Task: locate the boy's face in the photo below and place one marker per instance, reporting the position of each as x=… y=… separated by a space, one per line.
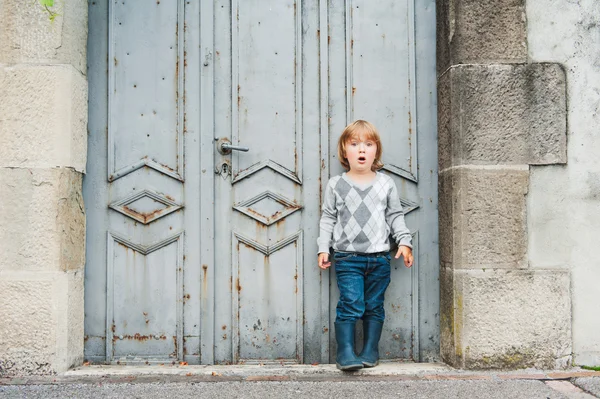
x=360 y=153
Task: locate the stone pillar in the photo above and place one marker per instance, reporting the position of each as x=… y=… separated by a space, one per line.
x=43 y=149
x=497 y=115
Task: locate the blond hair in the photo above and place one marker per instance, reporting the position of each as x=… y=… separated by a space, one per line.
x=355 y=130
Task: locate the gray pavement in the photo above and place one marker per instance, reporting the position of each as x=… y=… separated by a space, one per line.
x=589 y=384
x=510 y=389
x=411 y=380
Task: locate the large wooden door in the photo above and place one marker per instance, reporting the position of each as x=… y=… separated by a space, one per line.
x=142 y=187
x=208 y=256
x=262 y=208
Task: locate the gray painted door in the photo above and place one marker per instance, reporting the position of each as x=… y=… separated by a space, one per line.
x=204 y=256
x=382 y=68
x=142 y=187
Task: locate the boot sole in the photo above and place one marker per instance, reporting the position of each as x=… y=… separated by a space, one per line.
x=350 y=367
x=369 y=365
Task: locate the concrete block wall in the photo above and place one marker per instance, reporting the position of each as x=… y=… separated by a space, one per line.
x=43 y=149
x=498 y=114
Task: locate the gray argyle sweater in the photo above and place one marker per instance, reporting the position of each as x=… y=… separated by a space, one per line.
x=360 y=219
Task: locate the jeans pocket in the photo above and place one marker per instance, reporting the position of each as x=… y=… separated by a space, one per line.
x=340 y=256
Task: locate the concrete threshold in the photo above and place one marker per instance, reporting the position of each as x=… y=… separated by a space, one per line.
x=388 y=371
x=383 y=369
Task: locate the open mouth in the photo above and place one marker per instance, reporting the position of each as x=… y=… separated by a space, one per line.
x=362 y=159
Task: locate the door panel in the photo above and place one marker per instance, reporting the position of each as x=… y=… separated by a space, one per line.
x=263 y=222
x=372 y=76
x=380 y=75
x=268 y=318
x=267 y=85
x=142 y=202
x=148 y=280
x=145 y=83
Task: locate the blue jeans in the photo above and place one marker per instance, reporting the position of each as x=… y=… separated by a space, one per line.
x=362 y=280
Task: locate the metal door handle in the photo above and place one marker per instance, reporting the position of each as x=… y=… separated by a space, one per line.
x=229 y=147
x=225 y=147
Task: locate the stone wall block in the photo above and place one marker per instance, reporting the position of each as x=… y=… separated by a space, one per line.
x=442 y=10
x=445 y=114
x=70 y=221
x=28 y=329
x=27 y=35
x=449 y=221
x=504 y=114
x=42 y=220
x=513 y=319
x=42 y=322
x=71 y=334
x=448 y=334
x=483 y=220
x=44 y=117
x=480 y=32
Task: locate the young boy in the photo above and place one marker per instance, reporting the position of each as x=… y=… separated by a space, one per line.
x=361 y=208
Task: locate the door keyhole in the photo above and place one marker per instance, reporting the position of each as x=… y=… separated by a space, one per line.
x=224 y=170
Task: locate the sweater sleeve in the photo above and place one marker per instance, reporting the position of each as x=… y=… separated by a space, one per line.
x=328 y=219
x=394 y=217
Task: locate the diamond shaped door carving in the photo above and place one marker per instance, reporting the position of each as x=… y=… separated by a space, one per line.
x=145 y=206
x=267 y=208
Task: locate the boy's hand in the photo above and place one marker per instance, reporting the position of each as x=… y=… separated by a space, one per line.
x=324 y=260
x=406 y=253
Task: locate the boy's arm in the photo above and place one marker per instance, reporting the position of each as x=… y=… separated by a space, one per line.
x=394 y=217
x=328 y=219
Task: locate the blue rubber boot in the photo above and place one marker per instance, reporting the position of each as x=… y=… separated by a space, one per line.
x=346 y=359
x=372 y=333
